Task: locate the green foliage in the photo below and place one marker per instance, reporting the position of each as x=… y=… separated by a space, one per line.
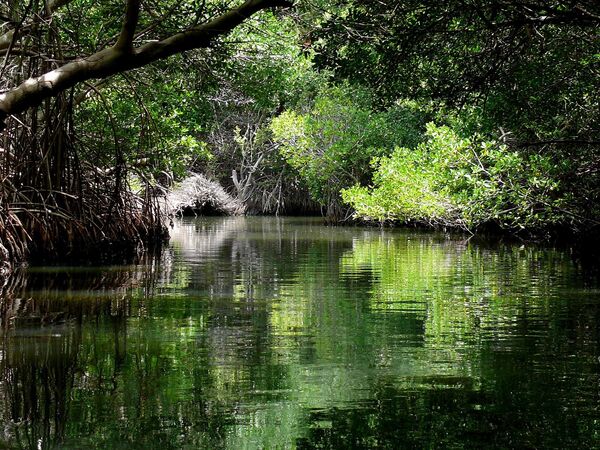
x=524 y=73
x=464 y=182
x=303 y=105
x=155 y=127
x=166 y=114
x=269 y=68
x=332 y=143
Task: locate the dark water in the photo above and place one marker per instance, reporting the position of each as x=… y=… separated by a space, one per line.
x=282 y=333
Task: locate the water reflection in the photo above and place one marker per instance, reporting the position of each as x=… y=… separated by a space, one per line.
x=283 y=333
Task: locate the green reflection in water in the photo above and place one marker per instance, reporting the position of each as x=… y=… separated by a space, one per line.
x=284 y=333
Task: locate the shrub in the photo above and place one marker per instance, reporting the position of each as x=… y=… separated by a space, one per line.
x=333 y=142
x=463 y=182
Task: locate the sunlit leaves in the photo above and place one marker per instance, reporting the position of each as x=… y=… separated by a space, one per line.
x=449 y=180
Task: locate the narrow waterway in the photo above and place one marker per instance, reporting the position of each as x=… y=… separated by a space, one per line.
x=277 y=333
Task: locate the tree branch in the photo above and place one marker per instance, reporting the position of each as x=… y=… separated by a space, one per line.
x=132 y=14
x=573 y=141
x=110 y=61
x=51 y=7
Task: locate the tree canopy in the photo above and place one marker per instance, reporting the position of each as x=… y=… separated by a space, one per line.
x=127 y=49
x=468 y=114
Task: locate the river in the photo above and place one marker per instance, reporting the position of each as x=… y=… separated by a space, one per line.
x=276 y=333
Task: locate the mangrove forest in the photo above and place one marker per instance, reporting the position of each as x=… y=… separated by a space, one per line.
x=303 y=224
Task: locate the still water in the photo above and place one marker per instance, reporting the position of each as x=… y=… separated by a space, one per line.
x=283 y=333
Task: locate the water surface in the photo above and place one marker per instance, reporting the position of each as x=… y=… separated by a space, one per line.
x=284 y=333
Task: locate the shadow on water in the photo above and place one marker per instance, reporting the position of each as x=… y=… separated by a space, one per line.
x=283 y=333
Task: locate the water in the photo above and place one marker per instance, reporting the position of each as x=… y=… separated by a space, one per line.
x=283 y=333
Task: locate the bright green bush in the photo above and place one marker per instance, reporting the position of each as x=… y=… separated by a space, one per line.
x=333 y=142
x=463 y=182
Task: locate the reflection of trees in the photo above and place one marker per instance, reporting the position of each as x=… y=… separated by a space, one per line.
x=42 y=365
x=417 y=313
x=493 y=369
x=249 y=257
x=457 y=287
x=87 y=353
x=271 y=333
x=46 y=351
x=37 y=379
x=242 y=266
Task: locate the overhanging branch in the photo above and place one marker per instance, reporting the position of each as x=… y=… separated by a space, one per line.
x=110 y=61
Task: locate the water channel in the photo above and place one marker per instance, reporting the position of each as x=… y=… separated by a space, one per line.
x=276 y=333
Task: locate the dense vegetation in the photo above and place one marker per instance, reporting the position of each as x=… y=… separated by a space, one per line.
x=511 y=88
x=453 y=113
